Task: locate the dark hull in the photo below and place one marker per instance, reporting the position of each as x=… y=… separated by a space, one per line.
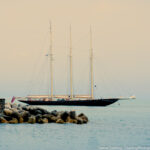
x=96 y=102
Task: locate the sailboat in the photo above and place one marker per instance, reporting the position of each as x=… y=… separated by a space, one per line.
x=71 y=99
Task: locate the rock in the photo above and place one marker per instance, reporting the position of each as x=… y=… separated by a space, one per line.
x=64 y=116
x=25 y=107
x=49 y=117
x=72 y=114
x=42 y=120
x=83 y=117
x=36 y=112
x=14 y=109
x=79 y=120
x=19 y=105
x=25 y=115
x=19 y=108
x=32 y=119
x=53 y=119
x=14 y=105
x=39 y=116
x=8 y=112
x=13 y=121
x=16 y=115
x=3 y=120
x=60 y=121
x=39 y=120
x=54 y=113
x=74 y=121
x=8 y=118
x=20 y=120
x=41 y=111
x=70 y=120
x=7 y=105
x=45 y=120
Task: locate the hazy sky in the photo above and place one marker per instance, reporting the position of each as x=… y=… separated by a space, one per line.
x=121 y=43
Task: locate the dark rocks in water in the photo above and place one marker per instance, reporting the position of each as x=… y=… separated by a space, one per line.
x=60 y=121
x=8 y=118
x=14 y=113
x=54 y=113
x=13 y=121
x=83 y=117
x=39 y=116
x=64 y=116
x=3 y=120
x=8 y=112
x=42 y=120
x=79 y=120
x=25 y=115
x=32 y=119
x=20 y=120
x=72 y=114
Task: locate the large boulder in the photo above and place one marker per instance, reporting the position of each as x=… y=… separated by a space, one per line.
x=14 y=105
x=13 y=121
x=39 y=116
x=7 y=105
x=14 y=109
x=79 y=120
x=16 y=115
x=60 y=121
x=25 y=115
x=53 y=119
x=50 y=117
x=8 y=118
x=70 y=120
x=8 y=112
x=42 y=120
x=36 y=111
x=3 y=120
x=83 y=117
x=45 y=120
x=64 y=116
x=20 y=120
x=32 y=119
x=72 y=114
x=54 y=113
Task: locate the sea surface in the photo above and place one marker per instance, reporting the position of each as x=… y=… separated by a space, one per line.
x=121 y=126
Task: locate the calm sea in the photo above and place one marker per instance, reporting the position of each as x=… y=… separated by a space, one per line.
x=116 y=127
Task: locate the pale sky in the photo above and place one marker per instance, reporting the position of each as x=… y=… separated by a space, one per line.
x=121 y=44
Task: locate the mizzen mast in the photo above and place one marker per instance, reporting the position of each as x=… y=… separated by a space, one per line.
x=71 y=83
x=51 y=63
x=91 y=65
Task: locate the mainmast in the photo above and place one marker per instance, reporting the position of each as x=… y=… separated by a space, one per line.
x=71 y=83
x=51 y=62
x=91 y=65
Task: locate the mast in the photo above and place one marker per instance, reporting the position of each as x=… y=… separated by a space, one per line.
x=71 y=83
x=91 y=65
x=51 y=63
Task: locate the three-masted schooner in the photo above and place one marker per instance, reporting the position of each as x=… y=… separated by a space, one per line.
x=78 y=100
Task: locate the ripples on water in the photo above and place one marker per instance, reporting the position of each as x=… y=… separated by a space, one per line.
x=114 y=127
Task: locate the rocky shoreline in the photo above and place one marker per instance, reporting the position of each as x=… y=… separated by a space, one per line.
x=14 y=114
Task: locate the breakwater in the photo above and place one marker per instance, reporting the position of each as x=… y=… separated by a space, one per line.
x=14 y=113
